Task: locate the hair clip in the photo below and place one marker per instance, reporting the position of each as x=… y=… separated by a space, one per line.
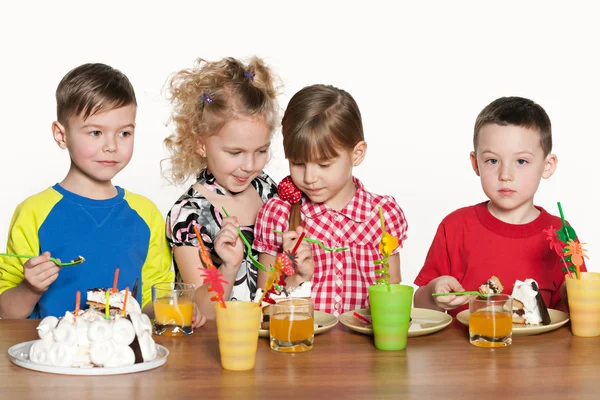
x=206 y=98
x=289 y=192
x=249 y=75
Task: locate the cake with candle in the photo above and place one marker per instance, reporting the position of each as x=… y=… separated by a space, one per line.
x=528 y=305
x=90 y=338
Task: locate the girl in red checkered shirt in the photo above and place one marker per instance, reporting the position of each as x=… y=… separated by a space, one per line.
x=323 y=140
x=224 y=115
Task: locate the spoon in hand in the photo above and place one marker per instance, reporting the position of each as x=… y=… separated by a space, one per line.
x=76 y=261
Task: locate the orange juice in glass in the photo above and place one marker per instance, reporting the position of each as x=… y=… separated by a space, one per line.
x=490 y=321
x=292 y=325
x=173 y=308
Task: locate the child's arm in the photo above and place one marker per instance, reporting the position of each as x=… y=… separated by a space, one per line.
x=22 y=285
x=19 y=301
x=394 y=270
x=442 y=284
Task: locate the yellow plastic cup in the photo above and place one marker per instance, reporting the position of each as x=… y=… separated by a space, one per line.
x=584 y=304
x=237 y=329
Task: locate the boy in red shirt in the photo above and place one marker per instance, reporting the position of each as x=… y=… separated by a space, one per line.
x=505 y=235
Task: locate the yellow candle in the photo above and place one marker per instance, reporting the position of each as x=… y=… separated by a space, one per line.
x=107 y=316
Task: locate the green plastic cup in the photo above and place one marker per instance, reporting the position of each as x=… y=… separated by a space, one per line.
x=390 y=313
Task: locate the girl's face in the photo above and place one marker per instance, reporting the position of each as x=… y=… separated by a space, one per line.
x=237 y=153
x=329 y=181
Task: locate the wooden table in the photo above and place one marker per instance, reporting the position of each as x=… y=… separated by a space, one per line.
x=342 y=365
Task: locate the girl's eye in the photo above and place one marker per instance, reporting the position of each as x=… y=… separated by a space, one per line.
x=234 y=153
x=95 y=133
x=324 y=165
x=125 y=134
x=297 y=164
x=263 y=151
x=492 y=161
x=522 y=162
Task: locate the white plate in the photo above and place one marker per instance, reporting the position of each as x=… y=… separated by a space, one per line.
x=557 y=319
x=19 y=355
x=326 y=320
x=424 y=321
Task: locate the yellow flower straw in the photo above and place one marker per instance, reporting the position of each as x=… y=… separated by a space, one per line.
x=387 y=245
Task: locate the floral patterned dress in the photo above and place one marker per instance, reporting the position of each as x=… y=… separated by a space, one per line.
x=192 y=208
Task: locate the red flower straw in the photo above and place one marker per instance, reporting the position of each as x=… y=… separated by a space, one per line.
x=298 y=242
x=77 y=304
x=557 y=246
x=362 y=318
x=211 y=273
x=114 y=288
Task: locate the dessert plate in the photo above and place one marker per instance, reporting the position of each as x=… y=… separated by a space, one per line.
x=424 y=321
x=557 y=319
x=19 y=355
x=325 y=320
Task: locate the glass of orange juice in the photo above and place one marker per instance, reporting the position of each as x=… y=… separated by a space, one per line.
x=292 y=325
x=490 y=321
x=173 y=308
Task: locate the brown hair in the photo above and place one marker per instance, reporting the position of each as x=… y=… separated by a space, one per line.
x=208 y=96
x=319 y=121
x=91 y=88
x=516 y=111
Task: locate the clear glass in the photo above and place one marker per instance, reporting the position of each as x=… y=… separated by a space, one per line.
x=490 y=321
x=292 y=325
x=173 y=308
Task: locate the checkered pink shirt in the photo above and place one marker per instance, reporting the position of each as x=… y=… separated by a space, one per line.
x=341 y=279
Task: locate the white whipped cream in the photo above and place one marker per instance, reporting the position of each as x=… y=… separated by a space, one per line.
x=301 y=291
x=523 y=291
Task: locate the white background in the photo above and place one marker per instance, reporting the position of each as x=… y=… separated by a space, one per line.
x=420 y=72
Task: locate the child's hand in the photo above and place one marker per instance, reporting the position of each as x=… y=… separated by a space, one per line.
x=197 y=318
x=39 y=272
x=446 y=284
x=228 y=244
x=304 y=258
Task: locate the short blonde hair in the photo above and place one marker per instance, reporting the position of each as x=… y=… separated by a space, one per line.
x=208 y=96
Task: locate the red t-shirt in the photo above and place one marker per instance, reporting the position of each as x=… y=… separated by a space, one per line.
x=472 y=245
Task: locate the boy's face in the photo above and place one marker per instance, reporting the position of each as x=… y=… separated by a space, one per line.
x=99 y=146
x=329 y=181
x=237 y=153
x=510 y=162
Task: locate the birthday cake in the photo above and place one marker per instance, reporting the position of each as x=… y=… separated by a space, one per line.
x=528 y=305
x=85 y=338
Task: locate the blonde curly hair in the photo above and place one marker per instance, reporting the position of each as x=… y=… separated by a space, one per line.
x=208 y=96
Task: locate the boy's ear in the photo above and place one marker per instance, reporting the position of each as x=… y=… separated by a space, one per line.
x=474 y=163
x=59 y=133
x=358 y=153
x=550 y=166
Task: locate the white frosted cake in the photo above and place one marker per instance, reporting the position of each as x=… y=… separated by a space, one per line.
x=528 y=305
x=90 y=340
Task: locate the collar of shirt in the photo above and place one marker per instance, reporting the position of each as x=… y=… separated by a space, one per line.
x=358 y=208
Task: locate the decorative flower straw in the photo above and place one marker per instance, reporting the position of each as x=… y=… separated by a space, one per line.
x=77 y=304
x=106 y=308
x=317 y=242
x=124 y=312
x=565 y=243
x=114 y=288
x=386 y=246
x=253 y=260
x=211 y=274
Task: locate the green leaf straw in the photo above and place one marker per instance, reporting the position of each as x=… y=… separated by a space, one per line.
x=317 y=242
x=248 y=246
